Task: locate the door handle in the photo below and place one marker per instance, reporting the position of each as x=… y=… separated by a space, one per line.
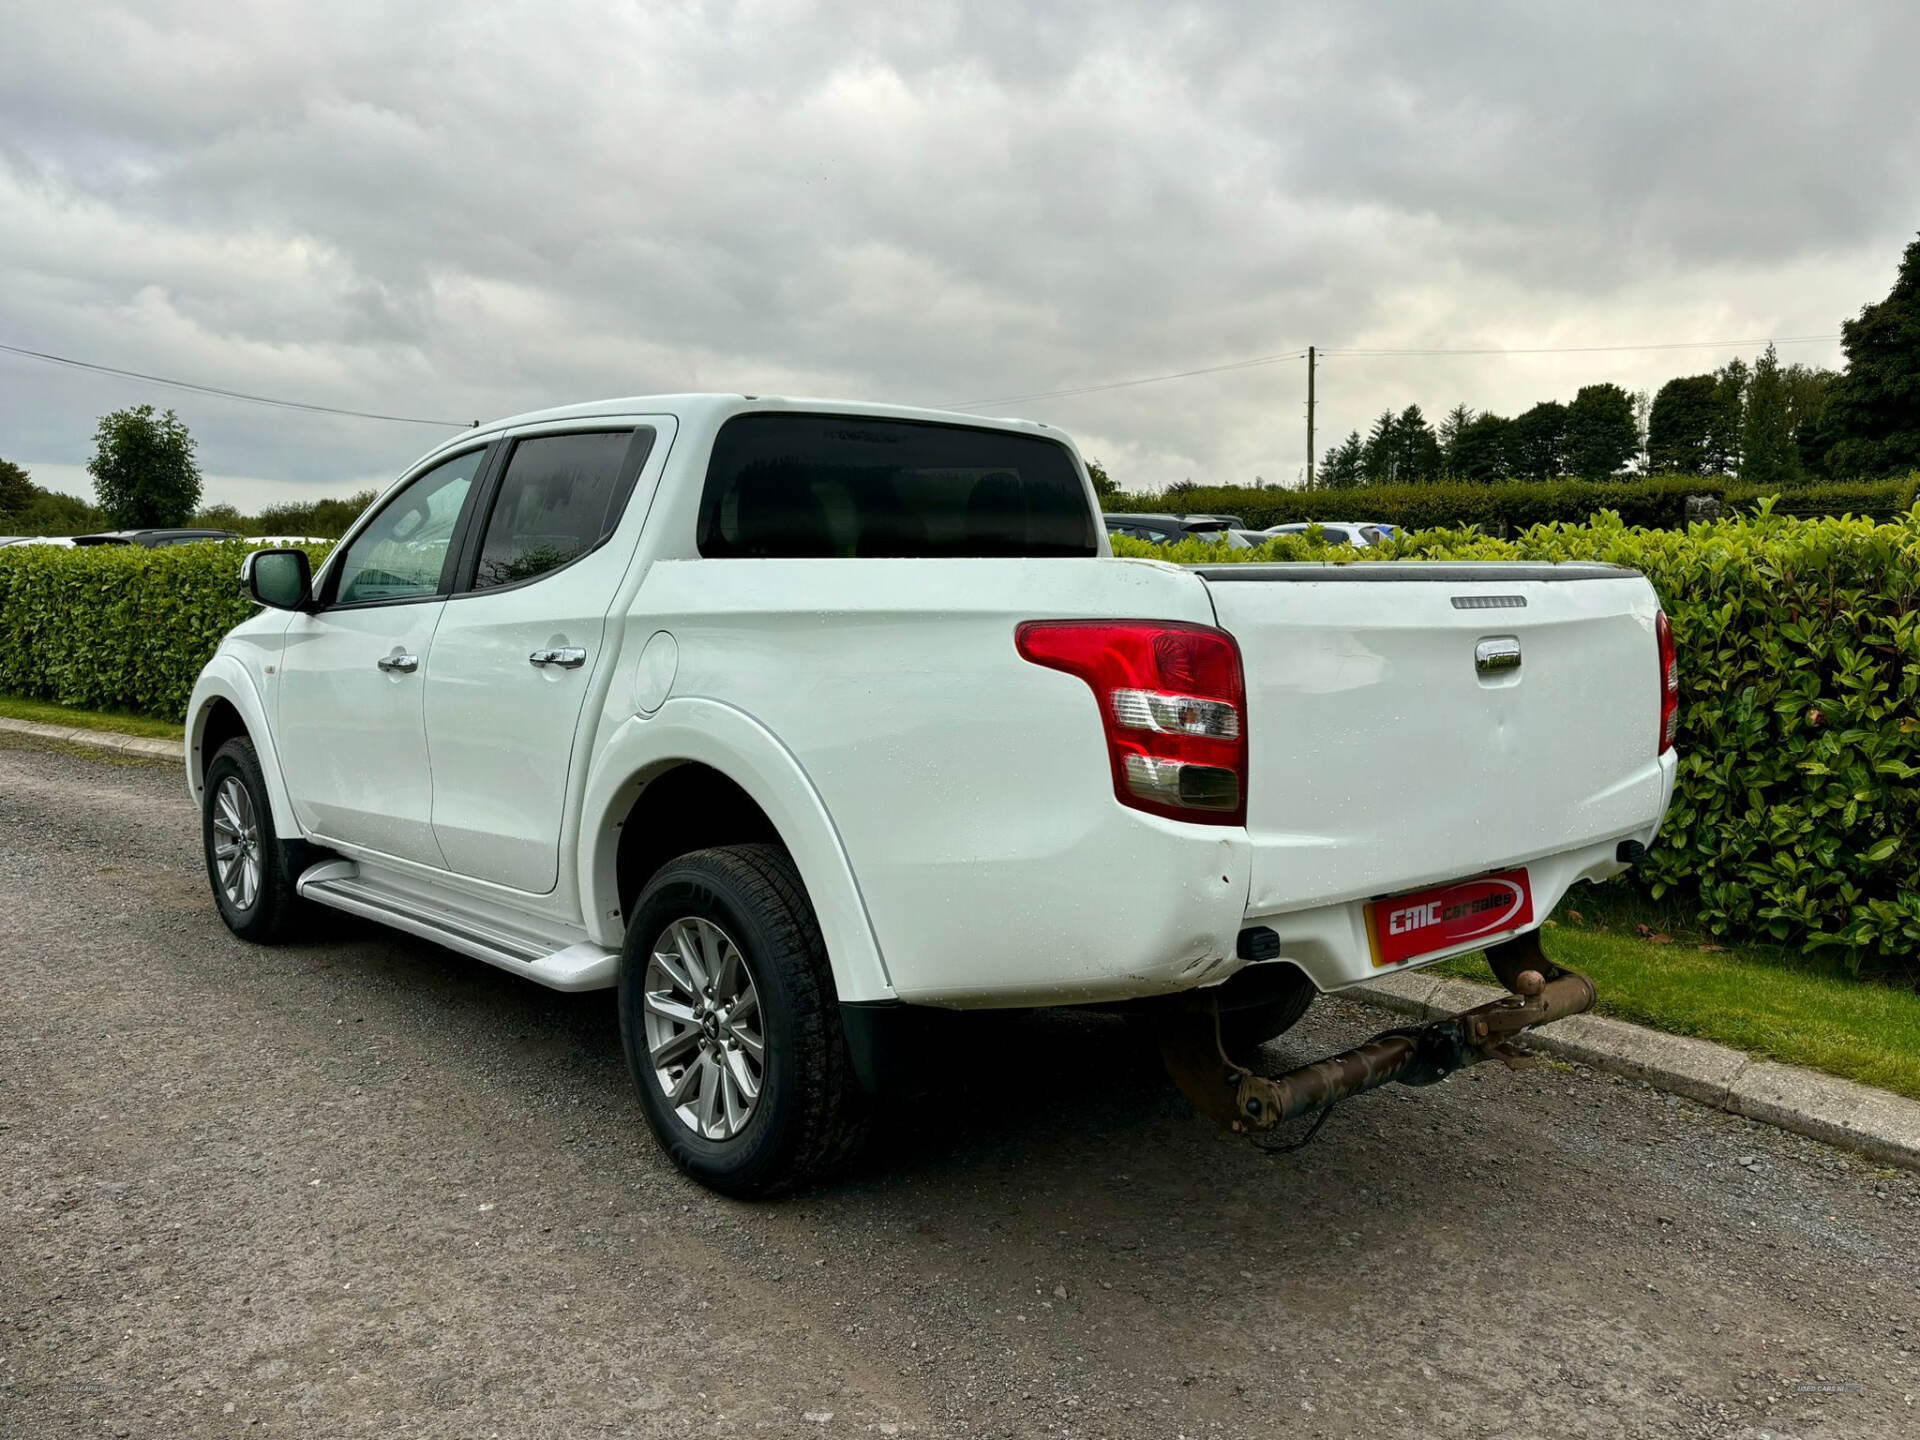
x=399 y=664
x=567 y=658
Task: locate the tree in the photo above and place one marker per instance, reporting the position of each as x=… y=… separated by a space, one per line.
x=1808 y=388
x=1401 y=449
x=1680 y=425
x=1767 y=452
x=1481 y=452
x=1601 y=436
x=1872 y=420
x=1345 y=464
x=317 y=517
x=1642 y=410
x=1537 y=441
x=1376 y=461
x=16 y=488
x=219 y=517
x=1729 y=404
x=1416 y=448
x=1451 y=429
x=143 y=470
x=1103 y=485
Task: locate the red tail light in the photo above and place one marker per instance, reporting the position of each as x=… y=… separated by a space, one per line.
x=1173 y=703
x=1669 y=681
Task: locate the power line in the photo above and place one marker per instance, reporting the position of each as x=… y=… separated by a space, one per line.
x=224 y=394
x=1602 y=349
x=1409 y=352
x=1124 y=384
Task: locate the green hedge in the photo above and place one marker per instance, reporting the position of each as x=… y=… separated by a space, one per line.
x=1658 y=502
x=116 y=627
x=1797 y=810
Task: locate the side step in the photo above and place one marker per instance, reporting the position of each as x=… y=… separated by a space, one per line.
x=339 y=883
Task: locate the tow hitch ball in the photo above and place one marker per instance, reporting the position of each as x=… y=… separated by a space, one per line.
x=1226 y=1091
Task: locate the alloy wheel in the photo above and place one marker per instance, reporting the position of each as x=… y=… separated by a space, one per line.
x=236 y=843
x=705 y=1039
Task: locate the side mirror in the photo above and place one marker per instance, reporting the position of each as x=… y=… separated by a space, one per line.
x=282 y=579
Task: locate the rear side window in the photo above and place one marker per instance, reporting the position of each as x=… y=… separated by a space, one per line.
x=561 y=495
x=846 y=486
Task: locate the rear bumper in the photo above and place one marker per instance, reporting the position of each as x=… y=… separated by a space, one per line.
x=1132 y=905
x=1329 y=942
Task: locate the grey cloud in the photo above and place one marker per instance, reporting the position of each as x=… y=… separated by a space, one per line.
x=470 y=211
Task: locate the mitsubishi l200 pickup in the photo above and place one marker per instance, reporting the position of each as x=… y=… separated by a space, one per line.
x=791 y=720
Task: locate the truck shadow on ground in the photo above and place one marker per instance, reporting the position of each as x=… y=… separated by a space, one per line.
x=1075 y=1099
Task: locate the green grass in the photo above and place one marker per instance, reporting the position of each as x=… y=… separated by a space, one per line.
x=43 y=712
x=1782 y=1007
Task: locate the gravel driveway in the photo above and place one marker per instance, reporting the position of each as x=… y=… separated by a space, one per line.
x=363 y=1186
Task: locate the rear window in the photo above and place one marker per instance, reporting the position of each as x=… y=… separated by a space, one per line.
x=561 y=496
x=846 y=486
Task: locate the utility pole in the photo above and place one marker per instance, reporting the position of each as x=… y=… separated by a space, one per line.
x=1310 y=359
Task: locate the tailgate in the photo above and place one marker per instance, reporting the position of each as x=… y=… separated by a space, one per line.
x=1413 y=722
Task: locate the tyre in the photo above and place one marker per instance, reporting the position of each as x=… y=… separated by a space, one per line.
x=731 y=1025
x=1286 y=996
x=250 y=868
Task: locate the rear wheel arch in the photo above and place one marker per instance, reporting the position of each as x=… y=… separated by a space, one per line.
x=728 y=781
x=683 y=806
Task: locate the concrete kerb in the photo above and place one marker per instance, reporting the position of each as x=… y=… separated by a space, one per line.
x=1839 y=1112
x=100 y=739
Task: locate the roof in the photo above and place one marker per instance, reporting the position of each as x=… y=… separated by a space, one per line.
x=716 y=406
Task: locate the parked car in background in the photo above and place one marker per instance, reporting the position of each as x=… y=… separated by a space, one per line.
x=1246 y=539
x=1168 y=529
x=153 y=539
x=282 y=541
x=1335 y=532
x=64 y=541
x=795 y=721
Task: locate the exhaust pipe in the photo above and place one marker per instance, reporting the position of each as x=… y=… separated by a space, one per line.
x=1412 y=1055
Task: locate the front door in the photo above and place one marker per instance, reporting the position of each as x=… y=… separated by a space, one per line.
x=351 y=723
x=519 y=644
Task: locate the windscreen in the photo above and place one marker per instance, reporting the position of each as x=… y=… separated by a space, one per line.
x=804 y=486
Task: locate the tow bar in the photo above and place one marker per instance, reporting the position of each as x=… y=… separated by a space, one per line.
x=1226 y=1091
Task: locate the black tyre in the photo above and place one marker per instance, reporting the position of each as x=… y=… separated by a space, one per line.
x=731 y=1025
x=1287 y=996
x=249 y=867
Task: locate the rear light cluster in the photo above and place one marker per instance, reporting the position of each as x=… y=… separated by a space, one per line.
x=1173 y=702
x=1669 y=681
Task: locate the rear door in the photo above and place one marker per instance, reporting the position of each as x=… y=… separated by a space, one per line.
x=522 y=640
x=1410 y=723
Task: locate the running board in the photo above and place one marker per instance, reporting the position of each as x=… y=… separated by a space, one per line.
x=339 y=883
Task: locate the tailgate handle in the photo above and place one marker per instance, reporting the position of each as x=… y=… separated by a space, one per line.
x=1496 y=656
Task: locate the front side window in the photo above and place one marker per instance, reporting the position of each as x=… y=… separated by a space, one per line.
x=848 y=486
x=561 y=496
x=401 y=554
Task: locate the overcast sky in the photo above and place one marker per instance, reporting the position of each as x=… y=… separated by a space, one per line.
x=464 y=211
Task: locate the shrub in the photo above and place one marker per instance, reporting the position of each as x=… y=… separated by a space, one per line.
x=116 y=627
x=1798 y=802
x=1656 y=502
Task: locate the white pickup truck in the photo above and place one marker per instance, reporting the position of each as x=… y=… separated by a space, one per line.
x=792 y=719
